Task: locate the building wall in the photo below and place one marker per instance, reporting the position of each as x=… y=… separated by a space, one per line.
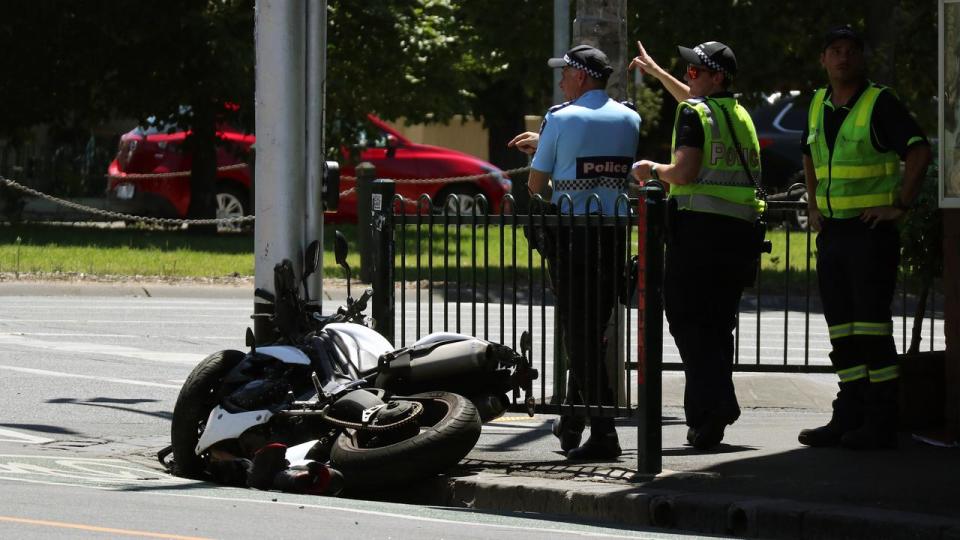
x=951 y=323
x=463 y=133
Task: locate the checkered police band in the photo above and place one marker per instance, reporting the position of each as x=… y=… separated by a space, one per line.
x=707 y=61
x=578 y=65
x=585 y=184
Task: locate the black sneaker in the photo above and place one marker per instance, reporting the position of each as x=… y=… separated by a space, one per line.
x=708 y=435
x=565 y=429
x=605 y=448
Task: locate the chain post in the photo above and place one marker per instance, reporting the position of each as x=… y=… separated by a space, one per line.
x=382 y=251
x=366 y=174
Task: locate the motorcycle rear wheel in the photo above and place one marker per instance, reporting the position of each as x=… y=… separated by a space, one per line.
x=449 y=429
x=198 y=396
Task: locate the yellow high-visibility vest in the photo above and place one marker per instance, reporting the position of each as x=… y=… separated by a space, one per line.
x=723 y=186
x=855 y=176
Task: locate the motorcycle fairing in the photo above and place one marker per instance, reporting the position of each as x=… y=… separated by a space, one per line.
x=362 y=346
x=440 y=337
x=286 y=354
x=222 y=425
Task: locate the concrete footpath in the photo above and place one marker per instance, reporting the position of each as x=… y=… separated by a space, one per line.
x=760 y=483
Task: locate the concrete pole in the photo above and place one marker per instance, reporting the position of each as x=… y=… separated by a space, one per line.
x=603 y=24
x=280 y=125
x=316 y=69
x=561 y=41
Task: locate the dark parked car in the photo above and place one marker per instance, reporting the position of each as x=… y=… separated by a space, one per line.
x=780 y=121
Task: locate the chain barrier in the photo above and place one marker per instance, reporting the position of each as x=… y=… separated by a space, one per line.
x=223 y=221
x=142 y=176
x=123 y=217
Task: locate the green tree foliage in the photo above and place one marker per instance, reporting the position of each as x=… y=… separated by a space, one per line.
x=79 y=63
x=778 y=44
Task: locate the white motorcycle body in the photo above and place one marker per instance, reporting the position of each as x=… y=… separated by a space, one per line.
x=357 y=344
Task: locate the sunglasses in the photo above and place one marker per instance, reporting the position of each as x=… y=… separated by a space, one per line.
x=694 y=71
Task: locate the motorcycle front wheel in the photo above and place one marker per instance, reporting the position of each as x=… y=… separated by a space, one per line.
x=448 y=429
x=198 y=396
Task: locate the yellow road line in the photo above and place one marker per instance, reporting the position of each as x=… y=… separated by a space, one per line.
x=92 y=528
x=515 y=419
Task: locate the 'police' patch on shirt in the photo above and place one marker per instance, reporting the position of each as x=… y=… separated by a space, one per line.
x=603 y=166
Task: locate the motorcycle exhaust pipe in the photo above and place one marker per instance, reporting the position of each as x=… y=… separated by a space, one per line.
x=447 y=360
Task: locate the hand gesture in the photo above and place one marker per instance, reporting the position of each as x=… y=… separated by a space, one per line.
x=644 y=62
x=525 y=142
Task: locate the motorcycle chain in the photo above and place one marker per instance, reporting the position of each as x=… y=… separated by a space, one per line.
x=417 y=411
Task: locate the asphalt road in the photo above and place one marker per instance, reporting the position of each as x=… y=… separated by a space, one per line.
x=88 y=379
x=87 y=385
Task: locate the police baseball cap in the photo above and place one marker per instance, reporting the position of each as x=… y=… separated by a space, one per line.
x=587 y=58
x=713 y=55
x=844 y=31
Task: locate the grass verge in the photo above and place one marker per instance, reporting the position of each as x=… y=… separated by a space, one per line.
x=467 y=253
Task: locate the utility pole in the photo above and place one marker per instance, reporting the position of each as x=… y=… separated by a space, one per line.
x=603 y=24
x=561 y=41
x=280 y=124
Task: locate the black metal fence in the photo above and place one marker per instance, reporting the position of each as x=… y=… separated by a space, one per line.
x=481 y=275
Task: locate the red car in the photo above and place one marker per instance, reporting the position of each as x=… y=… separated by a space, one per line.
x=151 y=175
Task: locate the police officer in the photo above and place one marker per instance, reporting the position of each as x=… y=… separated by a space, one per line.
x=584 y=149
x=712 y=243
x=856 y=135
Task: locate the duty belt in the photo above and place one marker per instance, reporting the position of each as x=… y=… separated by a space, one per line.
x=715 y=205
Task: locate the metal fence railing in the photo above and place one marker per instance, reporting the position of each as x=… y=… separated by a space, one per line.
x=479 y=274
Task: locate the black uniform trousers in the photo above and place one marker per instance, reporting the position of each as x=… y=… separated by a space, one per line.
x=709 y=259
x=586 y=266
x=857 y=273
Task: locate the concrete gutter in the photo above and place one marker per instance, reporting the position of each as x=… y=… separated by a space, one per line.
x=705 y=513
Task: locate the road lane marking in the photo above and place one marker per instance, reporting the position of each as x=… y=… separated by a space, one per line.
x=76 y=347
x=300 y=504
x=106 y=470
x=94 y=528
x=9 y=435
x=117 y=336
x=48 y=373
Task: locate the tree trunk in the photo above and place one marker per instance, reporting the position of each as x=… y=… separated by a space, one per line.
x=603 y=24
x=203 y=172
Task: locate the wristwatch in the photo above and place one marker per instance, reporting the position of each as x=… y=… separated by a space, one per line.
x=653 y=172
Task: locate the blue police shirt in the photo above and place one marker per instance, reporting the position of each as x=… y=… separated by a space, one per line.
x=587 y=146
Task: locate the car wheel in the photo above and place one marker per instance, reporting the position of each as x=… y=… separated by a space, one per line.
x=463 y=204
x=231 y=203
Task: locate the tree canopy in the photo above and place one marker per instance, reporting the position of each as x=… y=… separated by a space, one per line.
x=80 y=63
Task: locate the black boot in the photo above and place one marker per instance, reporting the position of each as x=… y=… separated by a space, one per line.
x=602 y=445
x=879 y=429
x=569 y=429
x=847 y=416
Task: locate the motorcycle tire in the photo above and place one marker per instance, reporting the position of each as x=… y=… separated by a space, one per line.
x=450 y=427
x=198 y=396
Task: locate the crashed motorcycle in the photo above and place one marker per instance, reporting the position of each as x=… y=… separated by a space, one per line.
x=341 y=393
